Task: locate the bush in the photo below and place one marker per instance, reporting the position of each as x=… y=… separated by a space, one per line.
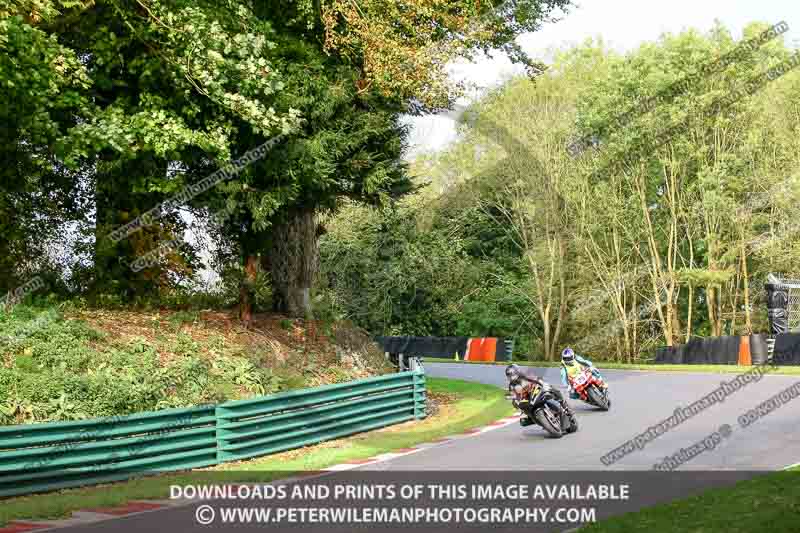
x=56 y=369
x=395 y=272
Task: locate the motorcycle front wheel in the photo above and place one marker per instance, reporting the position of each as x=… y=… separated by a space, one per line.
x=598 y=398
x=550 y=421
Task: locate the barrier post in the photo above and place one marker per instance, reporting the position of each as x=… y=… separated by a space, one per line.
x=218 y=434
x=420 y=394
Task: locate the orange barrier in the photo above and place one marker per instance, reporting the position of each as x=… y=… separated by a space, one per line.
x=744 y=352
x=482 y=349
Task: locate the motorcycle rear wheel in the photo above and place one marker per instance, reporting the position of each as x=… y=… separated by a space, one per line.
x=549 y=421
x=598 y=398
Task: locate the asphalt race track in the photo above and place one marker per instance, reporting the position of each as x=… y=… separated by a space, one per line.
x=639 y=400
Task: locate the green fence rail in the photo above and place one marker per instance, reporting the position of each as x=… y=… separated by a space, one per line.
x=45 y=457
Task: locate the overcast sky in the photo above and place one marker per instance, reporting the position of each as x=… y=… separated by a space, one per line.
x=623 y=25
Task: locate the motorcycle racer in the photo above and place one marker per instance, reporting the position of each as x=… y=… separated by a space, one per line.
x=572 y=365
x=522 y=382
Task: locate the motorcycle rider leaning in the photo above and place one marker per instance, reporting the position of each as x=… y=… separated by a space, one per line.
x=522 y=382
x=572 y=365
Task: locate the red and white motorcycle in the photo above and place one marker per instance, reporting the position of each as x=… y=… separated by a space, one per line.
x=591 y=389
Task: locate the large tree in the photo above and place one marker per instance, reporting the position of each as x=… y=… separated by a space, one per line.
x=340 y=69
x=175 y=88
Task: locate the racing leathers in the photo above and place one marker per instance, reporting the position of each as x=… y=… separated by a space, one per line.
x=570 y=371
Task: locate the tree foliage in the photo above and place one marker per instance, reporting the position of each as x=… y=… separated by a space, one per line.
x=114 y=106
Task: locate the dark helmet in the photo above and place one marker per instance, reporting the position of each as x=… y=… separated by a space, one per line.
x=567 y=356
x=512 y=372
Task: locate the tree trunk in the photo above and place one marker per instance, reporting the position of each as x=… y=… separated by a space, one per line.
x=676 y=322
x=246 y=290
x=546 y=332
x=634 y=328
x=747 y=322
x=711 y=303
x=734 y=295
x=690 y=301
x=657 y=274
x=562 y=297
x=294 y=262
x=689 y=313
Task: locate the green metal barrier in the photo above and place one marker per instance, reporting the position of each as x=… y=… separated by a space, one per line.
x=260 y=426
x=44 y=457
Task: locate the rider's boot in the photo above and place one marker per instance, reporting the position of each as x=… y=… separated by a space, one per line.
x=568 y=420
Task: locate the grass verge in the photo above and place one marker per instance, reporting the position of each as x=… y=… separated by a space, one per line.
x=767 y=503
x=461 y=405
x=707 y=369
